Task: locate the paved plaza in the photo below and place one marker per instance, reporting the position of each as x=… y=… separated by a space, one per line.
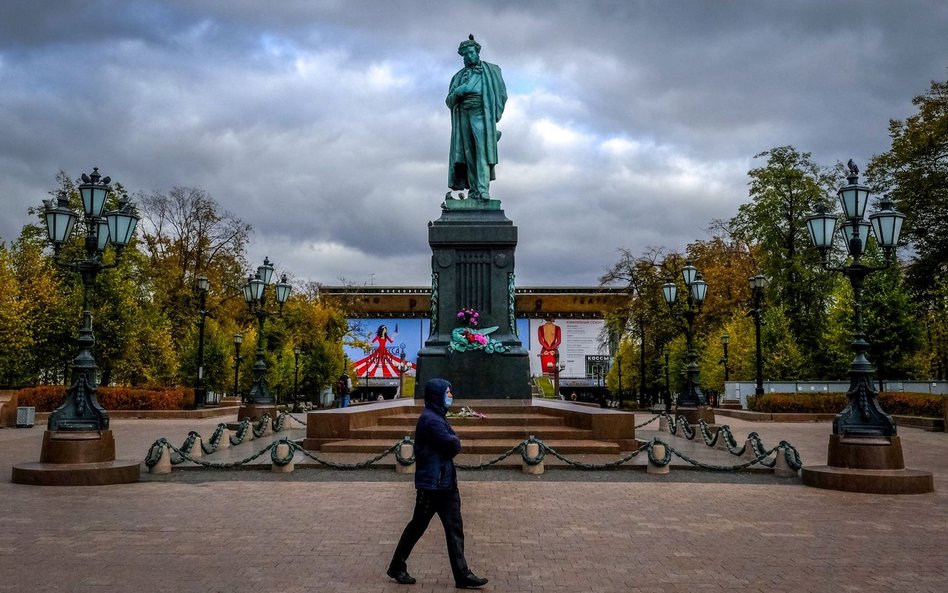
x=320 y=530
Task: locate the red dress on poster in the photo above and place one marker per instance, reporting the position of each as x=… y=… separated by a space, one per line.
x=549 y=336
x=380 y=362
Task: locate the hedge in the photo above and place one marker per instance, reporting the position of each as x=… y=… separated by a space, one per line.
x=893 y=402
x=46 y=398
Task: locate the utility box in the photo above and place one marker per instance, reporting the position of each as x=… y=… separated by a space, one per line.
x=25 y=416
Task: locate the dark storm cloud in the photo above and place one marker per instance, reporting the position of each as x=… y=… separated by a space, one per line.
x=322 y=124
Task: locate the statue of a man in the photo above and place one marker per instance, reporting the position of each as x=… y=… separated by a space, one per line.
x=476 y=98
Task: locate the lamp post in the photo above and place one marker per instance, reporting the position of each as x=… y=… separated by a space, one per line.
x=757 y=285
x=78 y=438
x=697 y=288
x=863 y=416
x=667 y=402
x=619 y=371
x=296 y=379
x=81 y=409
x=725 y=340
x=864 y=453
x=238 y=340
x=255 y=296
x=402 y=365
x=200 y=389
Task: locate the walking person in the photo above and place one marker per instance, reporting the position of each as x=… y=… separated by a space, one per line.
x=436 y=483
x=343 y=389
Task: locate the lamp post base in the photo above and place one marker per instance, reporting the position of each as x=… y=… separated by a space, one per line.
x=256 y=411
x=77 y=458
x=872 y=465
x=695 y=413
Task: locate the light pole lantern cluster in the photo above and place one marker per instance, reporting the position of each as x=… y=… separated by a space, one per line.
x=696 y=289
x=81 y=409
x=255 y=296
x=863 y=416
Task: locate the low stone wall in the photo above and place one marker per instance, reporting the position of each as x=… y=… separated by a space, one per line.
x=336 y=424
x=605 y=424
x=930 y=424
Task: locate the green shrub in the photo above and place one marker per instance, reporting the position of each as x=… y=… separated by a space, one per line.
x=46 y=398
x=903 y=404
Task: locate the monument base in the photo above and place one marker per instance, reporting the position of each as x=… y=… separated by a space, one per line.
x=477 y=375
x=77 y=458
x=870 y=465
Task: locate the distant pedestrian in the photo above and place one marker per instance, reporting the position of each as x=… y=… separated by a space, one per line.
x=343 y=389
x=436 y=483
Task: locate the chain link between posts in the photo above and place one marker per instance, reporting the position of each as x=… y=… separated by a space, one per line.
x=760 y=452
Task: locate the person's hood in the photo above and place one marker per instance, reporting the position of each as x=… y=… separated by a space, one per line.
x=434 y=395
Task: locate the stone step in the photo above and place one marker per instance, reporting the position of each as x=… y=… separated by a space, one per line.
x=513 y=433
x=478 y=446
x=492 y=419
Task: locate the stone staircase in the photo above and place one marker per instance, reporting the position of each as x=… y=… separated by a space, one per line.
x=568 y=428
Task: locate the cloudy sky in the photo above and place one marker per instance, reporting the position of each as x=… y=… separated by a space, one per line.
x=629 y=124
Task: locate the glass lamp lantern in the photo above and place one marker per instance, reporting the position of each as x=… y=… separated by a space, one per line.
x=265 y=271
x=122 y=222
x=699 y=289
x=863 y=234
x=689 y=273
x=853 y=198
x=887 y=224
x=822 y=227
x=94 y=193
x=60 y=220
x=670 y=292
x=282 y=290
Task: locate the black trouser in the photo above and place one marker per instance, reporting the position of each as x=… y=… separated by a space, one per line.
x=447 y=503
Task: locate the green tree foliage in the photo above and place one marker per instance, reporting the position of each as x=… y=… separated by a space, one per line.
x=915 y=172
x=783 y=192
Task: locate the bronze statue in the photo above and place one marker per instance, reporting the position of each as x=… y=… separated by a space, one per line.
x=476 y=98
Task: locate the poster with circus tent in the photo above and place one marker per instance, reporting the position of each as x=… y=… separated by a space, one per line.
x=388 y=342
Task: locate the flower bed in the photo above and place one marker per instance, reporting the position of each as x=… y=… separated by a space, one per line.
x=898 y=403
x=46 y=398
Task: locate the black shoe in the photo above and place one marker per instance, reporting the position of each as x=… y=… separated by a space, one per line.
x=401 y=577
x=470 y=581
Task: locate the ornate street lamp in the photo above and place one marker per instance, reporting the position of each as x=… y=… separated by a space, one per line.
x=81 y=409
x=667 y=394
x=202 y=285
x=296 y=379
x=697 y=289
x=865 y=454
x=238 y=340
x=78 y=438
x=863 y=416
x=255 y=296
x=757 y=285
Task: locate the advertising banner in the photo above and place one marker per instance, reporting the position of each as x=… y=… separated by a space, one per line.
x=576 y=341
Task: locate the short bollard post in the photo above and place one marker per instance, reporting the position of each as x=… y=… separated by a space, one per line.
x=225 y=440
x=196 y=451
x=282 y=450
x=781 y=468
x=533 y=451
x=407 y=452
x=721 y=443
x=663 y=424
x=749 y=454
x=658 y=450
x=164 y=462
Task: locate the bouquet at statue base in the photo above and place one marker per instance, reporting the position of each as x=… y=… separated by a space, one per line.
x=466 y=412
x=467 y=337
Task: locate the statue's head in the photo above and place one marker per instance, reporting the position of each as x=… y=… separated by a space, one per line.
x=470 y=50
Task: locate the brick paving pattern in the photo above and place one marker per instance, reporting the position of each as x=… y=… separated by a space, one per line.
x=615 y=531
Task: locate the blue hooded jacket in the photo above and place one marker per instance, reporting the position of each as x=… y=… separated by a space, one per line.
x=436 y=445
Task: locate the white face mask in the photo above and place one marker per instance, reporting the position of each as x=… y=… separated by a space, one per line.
x=448 y=398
